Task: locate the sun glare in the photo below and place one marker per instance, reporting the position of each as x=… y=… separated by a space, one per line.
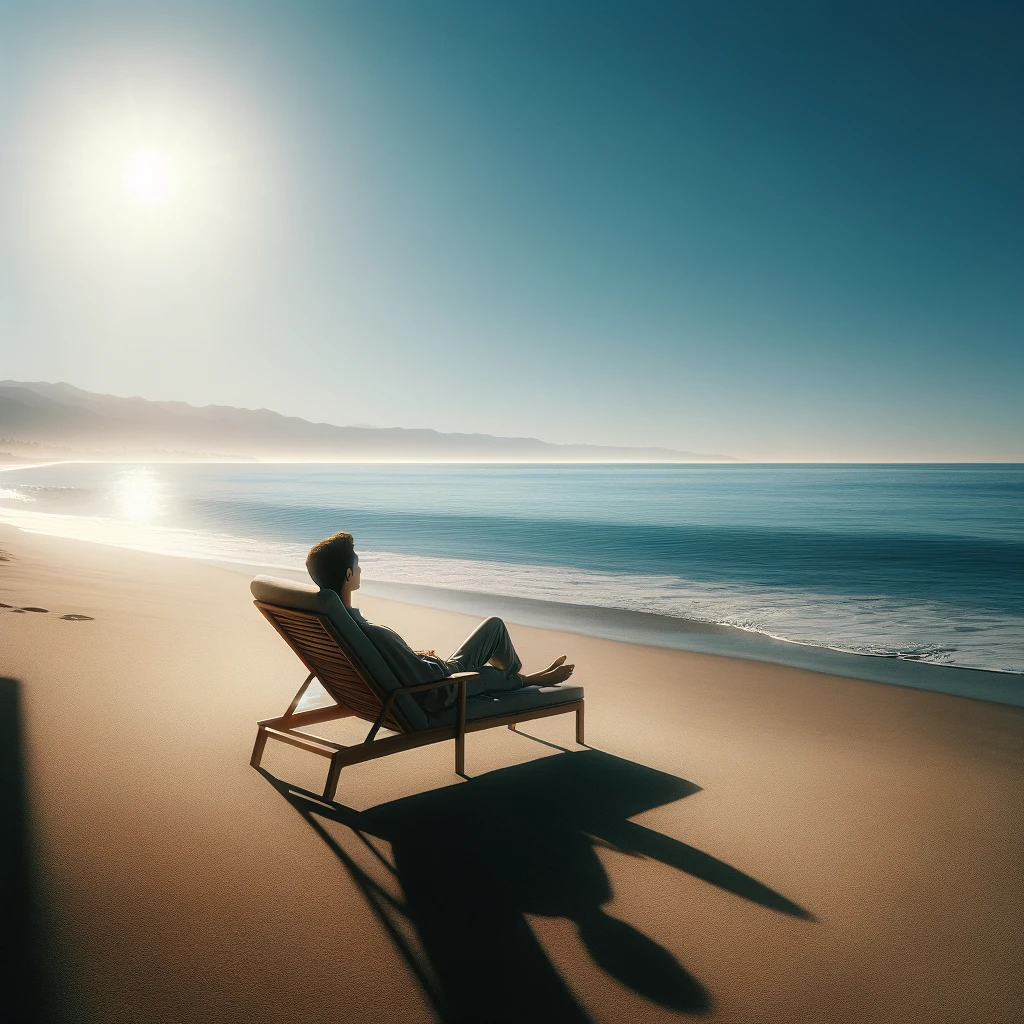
x=138 y=495
x=134 y=175
x=148 y=178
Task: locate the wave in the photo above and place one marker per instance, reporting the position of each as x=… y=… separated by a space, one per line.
x=934 y=632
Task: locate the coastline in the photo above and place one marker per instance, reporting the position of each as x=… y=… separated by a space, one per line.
x=650 y=630
x=817 y=839
x=643 y=628
x=662 y=631
x=944 y=646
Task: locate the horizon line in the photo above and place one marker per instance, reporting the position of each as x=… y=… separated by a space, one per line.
x=11 y=466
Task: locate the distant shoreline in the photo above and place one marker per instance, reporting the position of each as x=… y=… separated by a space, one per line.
x=69 y=419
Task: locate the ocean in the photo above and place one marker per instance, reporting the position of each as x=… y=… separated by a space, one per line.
x=920 y=564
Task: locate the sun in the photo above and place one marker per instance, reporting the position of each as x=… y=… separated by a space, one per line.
x=148 y=178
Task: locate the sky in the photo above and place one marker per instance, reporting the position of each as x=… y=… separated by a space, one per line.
x=781 y=232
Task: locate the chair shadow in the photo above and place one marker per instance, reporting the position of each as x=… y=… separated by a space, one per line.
x=20 y=989
x=473 y=859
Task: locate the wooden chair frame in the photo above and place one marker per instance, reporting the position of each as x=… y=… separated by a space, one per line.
x=327 y=656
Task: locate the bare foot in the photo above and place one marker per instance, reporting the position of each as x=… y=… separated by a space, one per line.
x=556 y=675
x=551 y=668
x=532 y=678
x=557 y=672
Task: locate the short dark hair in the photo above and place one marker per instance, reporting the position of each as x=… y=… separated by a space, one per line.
x=330 y=559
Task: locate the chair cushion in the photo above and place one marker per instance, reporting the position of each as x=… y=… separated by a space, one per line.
x=509 y=703
x=310 y=598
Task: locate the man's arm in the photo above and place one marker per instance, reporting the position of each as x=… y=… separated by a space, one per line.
x=410 y=668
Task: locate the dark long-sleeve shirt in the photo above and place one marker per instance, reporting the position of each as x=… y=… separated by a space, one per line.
x=409 y=667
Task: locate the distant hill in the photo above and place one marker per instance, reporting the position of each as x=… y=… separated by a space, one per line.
x=38 y=416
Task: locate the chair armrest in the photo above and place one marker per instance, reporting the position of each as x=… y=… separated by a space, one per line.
x=458 y=677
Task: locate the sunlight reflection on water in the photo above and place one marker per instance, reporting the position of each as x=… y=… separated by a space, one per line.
x=138 y=495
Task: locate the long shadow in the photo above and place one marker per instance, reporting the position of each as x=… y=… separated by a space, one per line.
x=473 y=859
x=20 y=990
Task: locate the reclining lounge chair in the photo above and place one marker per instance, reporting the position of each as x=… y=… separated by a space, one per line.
x=318 y=628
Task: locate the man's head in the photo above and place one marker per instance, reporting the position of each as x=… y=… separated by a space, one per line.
x=332 y=563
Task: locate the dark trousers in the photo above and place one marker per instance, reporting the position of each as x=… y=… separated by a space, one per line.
x=489 y=651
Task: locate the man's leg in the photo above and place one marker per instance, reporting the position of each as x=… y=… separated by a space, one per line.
x=489 y=651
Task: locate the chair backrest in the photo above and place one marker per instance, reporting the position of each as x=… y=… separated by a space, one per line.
x=318 y=628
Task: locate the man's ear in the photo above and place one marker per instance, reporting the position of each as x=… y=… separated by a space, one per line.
x=348 y=575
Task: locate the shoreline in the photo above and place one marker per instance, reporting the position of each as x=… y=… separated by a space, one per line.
x=665 y=632
x=647 y=629
x=942 y=643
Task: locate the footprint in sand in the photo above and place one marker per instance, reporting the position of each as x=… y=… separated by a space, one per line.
x=33 y=608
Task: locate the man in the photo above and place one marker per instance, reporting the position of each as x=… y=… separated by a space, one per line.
x=334 y=565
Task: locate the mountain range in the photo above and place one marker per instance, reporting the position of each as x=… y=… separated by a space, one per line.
x=47 y=420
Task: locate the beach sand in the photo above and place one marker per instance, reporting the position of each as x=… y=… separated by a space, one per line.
x=744 y=842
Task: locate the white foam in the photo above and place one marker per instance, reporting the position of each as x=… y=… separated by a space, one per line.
x=880 y=626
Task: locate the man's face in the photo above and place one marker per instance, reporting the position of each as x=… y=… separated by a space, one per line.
x=354 y=578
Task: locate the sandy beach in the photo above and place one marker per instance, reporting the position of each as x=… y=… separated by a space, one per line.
x=741 y=841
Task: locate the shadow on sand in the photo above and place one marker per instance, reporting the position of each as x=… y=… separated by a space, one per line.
x=473 y=859
x=19 y=980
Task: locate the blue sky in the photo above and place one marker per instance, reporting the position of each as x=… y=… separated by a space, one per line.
x=780 y=232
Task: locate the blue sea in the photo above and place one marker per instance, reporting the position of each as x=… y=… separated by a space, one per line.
x=910 y=563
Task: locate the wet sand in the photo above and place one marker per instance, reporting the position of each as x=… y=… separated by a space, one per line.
x=742 y=841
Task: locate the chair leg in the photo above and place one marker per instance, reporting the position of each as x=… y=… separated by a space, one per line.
x=460 y=730
x=333 y=776
x=512 y=726
x=579 y=725
x=257 y=749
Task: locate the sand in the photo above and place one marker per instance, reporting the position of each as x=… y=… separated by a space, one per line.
x=743 y=842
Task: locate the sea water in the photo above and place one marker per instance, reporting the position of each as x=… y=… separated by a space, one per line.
x=917 y=563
